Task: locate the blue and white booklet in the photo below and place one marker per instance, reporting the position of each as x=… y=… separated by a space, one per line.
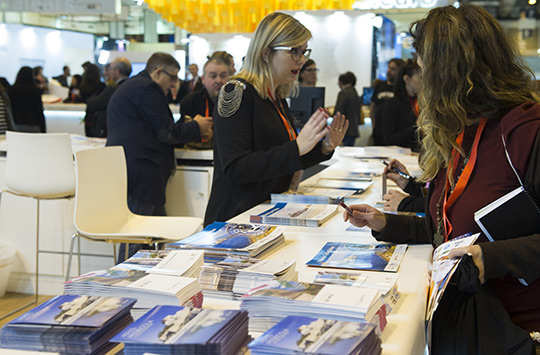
x=183 y=330
x=375 y=257
x=296 y=214
x=69 y=324
x=296 y=334
x=220 y=239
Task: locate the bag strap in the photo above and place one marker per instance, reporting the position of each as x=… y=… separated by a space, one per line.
x=510 y=160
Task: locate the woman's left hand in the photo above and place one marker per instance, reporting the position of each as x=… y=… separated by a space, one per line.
x=335 y=134
x=477 y=256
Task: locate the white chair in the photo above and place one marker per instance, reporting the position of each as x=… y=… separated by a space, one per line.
x=39 y=166
x=101 y=210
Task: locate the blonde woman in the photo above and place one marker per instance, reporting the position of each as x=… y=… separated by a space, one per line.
x=257 y=150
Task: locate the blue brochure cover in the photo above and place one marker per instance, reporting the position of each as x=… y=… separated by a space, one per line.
x=228 y=236
x=83 y=311
x=377 y=257
x=313 y=335
x=176 y=325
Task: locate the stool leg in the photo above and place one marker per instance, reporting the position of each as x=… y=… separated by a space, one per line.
x=37 y=252
x=68 y=272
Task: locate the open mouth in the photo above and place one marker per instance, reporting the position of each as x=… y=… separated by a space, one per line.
x=295 y=72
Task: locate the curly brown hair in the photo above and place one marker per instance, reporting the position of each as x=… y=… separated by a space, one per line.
x=470 y=69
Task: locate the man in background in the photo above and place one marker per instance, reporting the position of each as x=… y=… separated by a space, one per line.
x=201 y=103
x=195 y=83
x=96 y=106
x=65 y=78
x=139 y=119
x=383 y=91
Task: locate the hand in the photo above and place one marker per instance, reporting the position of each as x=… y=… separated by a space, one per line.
x=392 y=200
x=205 y=125
x=337 y=131
x=312 y=132
x=365 y=215
x=477 y=256
x=395 y=177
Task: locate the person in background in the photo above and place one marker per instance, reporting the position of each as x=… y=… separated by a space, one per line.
x=200 y=104
x=400 y=113
x=107 y=75
x=91 y=85
x=382 y=92
x=308 y=74
x=227 y=58
x=256 y=148
x=349 y=104
x=195 y=83
x=65 y=78
x=40 y=80
x=6 y=116
x=139 y=120
x=96 y=106
x=480 y=121
x=74 y=94
x=26 y=104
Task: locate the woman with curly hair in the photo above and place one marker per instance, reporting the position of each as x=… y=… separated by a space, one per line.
x=480 y=120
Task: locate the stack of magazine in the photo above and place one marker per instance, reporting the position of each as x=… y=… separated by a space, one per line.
x=185 y=263
x=220 y=239
x=236 y=275
x=376 y=257
x=385 y=283
x=183 y=330
x=307 y=335
x=268 y=304
x=163 y=283
x=69 y=325
x=313 y=195
x=296 y=214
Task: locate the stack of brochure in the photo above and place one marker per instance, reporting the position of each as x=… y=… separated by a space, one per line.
x=236 y=275
x=313 y=195
x=306 y=335
x=356 y=185
x=385 y=283
x=159 y=286
x=220 y=239
x=185 y=263
x=377 y=257
x=296 y=214
x=183 y=330
x=268 y=304
x=69 y=324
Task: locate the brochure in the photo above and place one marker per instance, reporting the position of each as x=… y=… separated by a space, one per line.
x=296 y=214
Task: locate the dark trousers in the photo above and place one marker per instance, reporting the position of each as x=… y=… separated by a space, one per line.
x=145 y=209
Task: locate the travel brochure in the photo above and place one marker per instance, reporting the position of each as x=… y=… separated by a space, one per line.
x=296 y=214
x=308 y=195
x=377 y=257
x=69 y=324
x=220 y=239
x=236 y=275
x=355 y=185
x=184 y=330
x=270 y=303
x=186 y=263
x=308 y=335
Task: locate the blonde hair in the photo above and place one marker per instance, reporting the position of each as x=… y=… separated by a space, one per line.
x=275 y=30
x=470 y=70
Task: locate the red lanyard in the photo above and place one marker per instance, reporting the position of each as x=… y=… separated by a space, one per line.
x=464 y=177
x=414 y=105
x=288 y=127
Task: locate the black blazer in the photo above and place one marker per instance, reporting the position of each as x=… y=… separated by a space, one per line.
x=398 y=124
x=139 y=119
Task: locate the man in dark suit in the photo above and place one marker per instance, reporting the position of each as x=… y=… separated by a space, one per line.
x=139 y=119
x=195 y=83
x=64 y=78
x=96 y=106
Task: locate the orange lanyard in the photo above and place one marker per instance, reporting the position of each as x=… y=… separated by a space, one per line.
x=206 y=112
x=464 y=177
x=415 y=108
x=288 y=127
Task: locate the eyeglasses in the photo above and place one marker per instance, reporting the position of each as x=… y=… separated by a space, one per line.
x=174 y=78
x=296 y=53
x=311 y=70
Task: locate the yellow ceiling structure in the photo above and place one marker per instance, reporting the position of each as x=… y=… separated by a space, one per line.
x=233 y=16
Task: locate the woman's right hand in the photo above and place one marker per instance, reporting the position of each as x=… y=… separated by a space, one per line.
x=313 y=131
x=365 y=215
x=395 y=177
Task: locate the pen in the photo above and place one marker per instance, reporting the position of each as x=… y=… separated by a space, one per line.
x=396 y=170
x=347 y=208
